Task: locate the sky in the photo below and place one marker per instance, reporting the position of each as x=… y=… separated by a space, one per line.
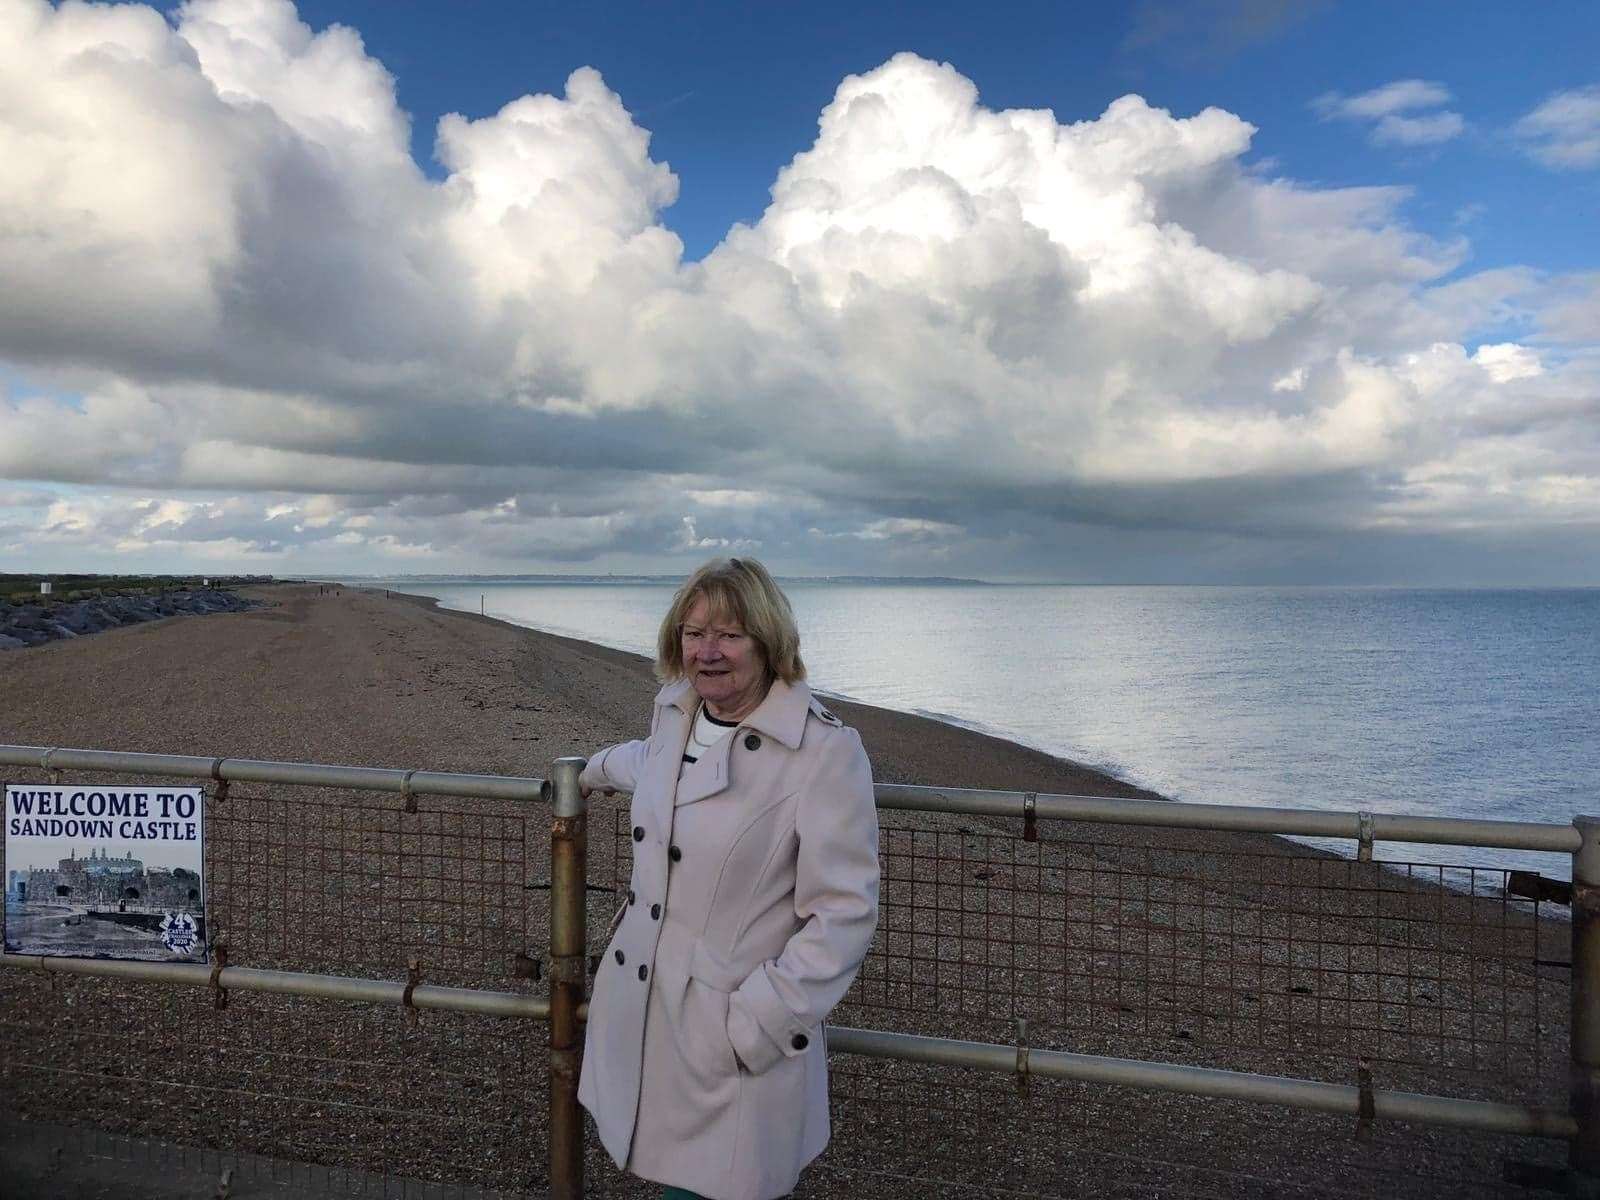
x=1231 y=291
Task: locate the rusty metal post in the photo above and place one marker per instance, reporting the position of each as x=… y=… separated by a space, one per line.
x=1585 y=1153
x=569 y=840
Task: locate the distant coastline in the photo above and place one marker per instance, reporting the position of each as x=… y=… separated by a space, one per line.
x=668 y=580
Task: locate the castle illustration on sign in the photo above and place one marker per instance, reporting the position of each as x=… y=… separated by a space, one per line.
x=103 y=903
x=102 y=880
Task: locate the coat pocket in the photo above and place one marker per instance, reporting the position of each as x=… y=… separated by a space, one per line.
x=703 y=1032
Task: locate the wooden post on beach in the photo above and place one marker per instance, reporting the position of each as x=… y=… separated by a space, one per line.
x=569 y=840
x=1584 y=1157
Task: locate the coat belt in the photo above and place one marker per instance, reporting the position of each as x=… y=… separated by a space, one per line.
x=685 y=950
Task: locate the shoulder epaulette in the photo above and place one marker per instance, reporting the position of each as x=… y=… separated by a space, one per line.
x=823 y=714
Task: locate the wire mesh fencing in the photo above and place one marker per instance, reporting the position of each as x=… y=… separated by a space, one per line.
x=1435 y=978
x=380 y=1101
x=351 y=882
x=1235 y=952
x=1241 y=953
x=906 y=1129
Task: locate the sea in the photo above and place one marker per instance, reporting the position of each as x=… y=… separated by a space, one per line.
x=1470 y=703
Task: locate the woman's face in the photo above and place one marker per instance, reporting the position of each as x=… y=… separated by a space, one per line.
x=724 y=663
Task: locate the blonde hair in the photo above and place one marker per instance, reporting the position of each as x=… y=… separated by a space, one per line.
x=736 y=589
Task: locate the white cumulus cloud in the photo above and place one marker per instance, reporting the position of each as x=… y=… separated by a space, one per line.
x=240 y=320
x=1407 y=112
x=1507 y=361
x=1564 y=131
x=1402 y=95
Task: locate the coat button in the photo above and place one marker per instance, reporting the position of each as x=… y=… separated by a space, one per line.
x=620 y=959
x=674 y=853
x=644 y=971
x=799 y=1041
x=752 y=742
x=638 y=833
x=655 y=912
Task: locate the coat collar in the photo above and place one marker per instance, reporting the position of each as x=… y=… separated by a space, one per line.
x=781 y=715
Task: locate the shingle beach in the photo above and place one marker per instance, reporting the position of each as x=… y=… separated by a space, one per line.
x=341 y=675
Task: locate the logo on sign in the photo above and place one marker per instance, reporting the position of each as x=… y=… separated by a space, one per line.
x=179 y=934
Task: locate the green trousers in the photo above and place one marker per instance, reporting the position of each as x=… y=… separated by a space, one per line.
x=675 y=1193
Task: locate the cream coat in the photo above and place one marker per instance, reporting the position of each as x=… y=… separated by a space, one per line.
x=704 y=1064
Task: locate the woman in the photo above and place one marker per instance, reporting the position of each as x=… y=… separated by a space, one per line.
x=752 y=903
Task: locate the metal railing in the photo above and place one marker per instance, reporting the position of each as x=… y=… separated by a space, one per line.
x=1381 y=992
x=1364 y=828
x=342 y=902
x=1178 y=936
x=304 y=984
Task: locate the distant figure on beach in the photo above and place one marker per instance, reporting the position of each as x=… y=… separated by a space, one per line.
x=752 y=902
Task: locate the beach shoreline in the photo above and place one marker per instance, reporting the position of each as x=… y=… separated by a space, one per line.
x=367 y=676
x=911 y=748
x=837 y=698
x=353 y=676
x=886 y=723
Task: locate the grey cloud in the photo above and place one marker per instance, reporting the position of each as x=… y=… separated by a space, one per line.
x=954 y=333
x=25 y=498
x=1572 y=314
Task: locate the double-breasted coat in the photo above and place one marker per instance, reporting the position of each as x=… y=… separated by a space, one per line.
x=752 y=902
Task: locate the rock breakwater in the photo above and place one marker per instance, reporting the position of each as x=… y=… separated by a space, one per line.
x=23 y=625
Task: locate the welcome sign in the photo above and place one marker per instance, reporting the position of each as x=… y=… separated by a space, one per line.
x=111 y=871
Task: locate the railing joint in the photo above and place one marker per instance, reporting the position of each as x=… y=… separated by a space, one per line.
x=565 y=968
x=219 y=960
x=1367 y=1108
x=219 y=793
x=413 y=977
x=1364 y=830
x=1023 y=1050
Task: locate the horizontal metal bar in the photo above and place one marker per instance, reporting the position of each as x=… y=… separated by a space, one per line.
x=1106 y=810
x=298 y=774
x=293 y=983
x=1116 y=810
x=1206 y=1081
x=983 y=1056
